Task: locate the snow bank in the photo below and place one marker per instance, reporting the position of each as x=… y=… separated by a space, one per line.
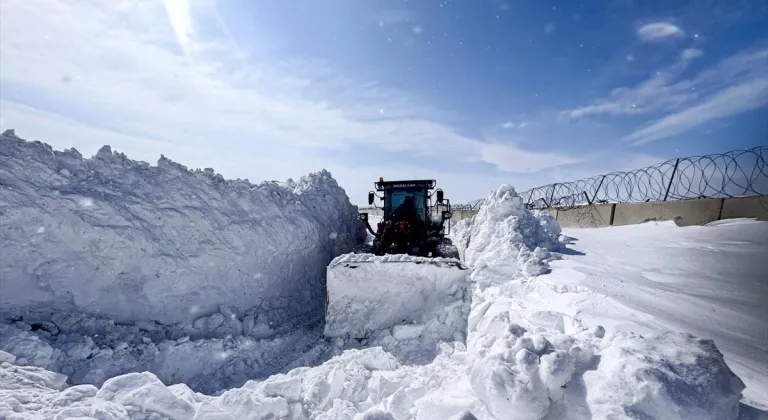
x=119 y=238
x=536 y=363
x=406 y=304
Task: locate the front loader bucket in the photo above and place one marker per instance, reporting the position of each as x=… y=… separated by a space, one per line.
x=368 y=293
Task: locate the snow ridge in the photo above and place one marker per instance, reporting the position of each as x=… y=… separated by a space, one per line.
x=113 y=237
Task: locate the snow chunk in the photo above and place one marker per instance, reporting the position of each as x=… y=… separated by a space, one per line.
x=662 y=373
x=143 y=392
x=130 y=241
x=556 y=369
x=505 y=388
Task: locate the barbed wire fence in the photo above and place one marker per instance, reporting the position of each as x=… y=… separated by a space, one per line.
x=737 y=173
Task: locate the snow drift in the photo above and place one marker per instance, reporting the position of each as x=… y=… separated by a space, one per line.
x=520 y=361
x=118 y=238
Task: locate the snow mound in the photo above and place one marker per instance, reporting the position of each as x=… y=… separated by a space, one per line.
x=113 y=237
x=591 y=374
x=504 y=232
x=538 y=363
x=662 y=375
x=404 y=303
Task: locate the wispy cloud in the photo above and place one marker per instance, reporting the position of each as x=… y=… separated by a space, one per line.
x=734 y=85
x=179 y=14
x=264 y=116
x=508 y=125
x=655 y=94
x=502 y=5
x=511 y=159
x=657 y=31
x=691 y=53
x=748 y=95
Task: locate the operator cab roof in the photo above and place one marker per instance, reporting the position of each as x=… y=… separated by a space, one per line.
x=405 y=184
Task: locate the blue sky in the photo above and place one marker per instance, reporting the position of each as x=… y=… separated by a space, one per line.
x=471 y=93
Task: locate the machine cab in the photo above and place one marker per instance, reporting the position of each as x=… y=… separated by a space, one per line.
x=411 y=196
x=418 y=192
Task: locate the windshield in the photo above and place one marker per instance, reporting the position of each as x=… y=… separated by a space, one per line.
x=398 y=197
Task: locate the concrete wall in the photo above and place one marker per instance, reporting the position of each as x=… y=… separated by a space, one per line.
x=749 y=206
x=372 y=211
x=585 y=217
x=683 y=212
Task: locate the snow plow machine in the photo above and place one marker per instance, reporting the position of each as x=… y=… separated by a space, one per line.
x=409 y=277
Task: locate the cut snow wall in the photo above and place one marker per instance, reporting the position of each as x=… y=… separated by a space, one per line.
x=424 y=297
x=123 y=239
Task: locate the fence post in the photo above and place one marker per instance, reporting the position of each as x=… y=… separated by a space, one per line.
x=671 y=179
x=597 y=189
x=552 y=196
x=586 y=197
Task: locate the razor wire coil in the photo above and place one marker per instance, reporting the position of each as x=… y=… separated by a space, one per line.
x=737 y=173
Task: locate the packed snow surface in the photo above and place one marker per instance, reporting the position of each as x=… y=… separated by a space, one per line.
x=522 y=359
x=711 y=281
x=118 y=238
x=411 y=298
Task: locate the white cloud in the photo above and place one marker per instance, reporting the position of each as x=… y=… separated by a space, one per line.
x=508 y=125
x=511 y=159
x=658 y=31
x=503 y=5
x=733 y=86
x=655 y=94
x=264 y=117
x=179 y=14
x=748 y=95
x=691 y=53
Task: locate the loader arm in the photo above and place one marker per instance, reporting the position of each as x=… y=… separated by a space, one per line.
x=364 y=218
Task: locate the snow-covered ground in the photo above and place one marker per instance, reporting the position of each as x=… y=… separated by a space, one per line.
x=711 y=281
x=527 y=353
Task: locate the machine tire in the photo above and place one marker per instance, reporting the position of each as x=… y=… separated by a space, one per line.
x=447 y=249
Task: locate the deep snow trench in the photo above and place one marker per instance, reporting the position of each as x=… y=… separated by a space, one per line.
x=262 y=354
x=113 y=266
